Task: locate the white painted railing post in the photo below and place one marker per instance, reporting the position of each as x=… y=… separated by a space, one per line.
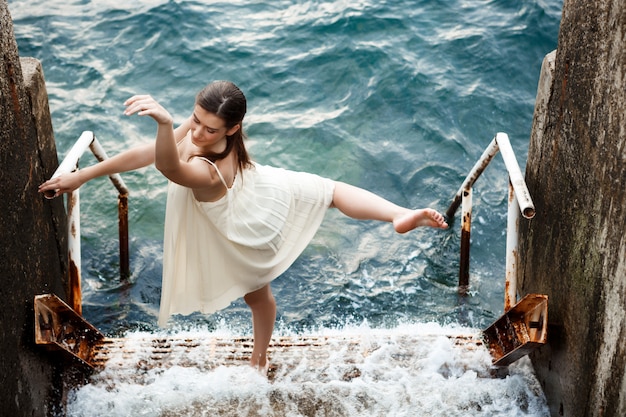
x=70 y=164
x=512 y=252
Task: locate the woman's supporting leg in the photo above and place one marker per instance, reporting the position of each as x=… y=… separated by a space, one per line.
x=361 y=204
x=263 y=306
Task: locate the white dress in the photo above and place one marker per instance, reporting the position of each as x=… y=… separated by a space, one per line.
x=216 y=252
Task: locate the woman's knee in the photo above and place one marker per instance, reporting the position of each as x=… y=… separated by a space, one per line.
x=260 y=297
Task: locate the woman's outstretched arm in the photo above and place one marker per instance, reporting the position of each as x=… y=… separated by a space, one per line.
x=129 y=160
x=134 y=158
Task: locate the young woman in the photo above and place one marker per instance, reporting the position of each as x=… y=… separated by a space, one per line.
x=232 y=225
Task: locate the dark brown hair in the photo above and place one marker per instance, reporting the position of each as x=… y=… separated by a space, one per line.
x=227 y=101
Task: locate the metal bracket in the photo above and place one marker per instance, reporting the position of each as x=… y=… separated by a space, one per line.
x=58 y=327
x=519 y=331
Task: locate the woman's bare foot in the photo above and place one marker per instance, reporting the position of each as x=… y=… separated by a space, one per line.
x=263 y=369
x=408 y=221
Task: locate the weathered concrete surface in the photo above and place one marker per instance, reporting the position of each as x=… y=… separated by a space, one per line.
x=574 y=250
x=32 y=241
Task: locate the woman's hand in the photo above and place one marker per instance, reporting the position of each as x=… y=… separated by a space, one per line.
x=145 y=105
x=65 y=183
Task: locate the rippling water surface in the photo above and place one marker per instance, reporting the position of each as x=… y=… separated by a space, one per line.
x=399 y=97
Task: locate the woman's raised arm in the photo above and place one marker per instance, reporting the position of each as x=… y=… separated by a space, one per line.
x=194 y=173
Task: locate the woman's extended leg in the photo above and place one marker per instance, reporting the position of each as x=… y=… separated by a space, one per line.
x=361 y=204
x=263 y=306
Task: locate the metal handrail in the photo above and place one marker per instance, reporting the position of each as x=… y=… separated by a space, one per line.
x=520 y=202
x=70 y=164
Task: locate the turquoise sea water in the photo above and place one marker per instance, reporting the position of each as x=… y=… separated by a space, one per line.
x=399 y=97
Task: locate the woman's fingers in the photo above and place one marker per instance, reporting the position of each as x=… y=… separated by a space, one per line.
x=145 y=105
x=136 y=97
x=64 y=183
x=49 y=188
x=138 y=104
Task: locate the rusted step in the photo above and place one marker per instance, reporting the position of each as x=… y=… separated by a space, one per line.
x=57 y=326
x=132 y=358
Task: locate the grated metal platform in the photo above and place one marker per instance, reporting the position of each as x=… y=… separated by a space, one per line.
x=60 y=328
x=134 y=357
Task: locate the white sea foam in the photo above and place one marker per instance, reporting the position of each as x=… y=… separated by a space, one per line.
x=411 y=370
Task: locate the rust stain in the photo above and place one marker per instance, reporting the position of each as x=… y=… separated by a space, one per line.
x=15 y=97
x=510 y=299
x=507 y=300
x=529 y=212
x=123 y=237
x=464 y=261
x=73 y=230
x=71 y=204
x=75 y=296
x=453 y=208
x=467 y=222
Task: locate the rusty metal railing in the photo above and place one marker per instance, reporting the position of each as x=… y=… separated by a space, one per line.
x=519 y=203
x=70 y=164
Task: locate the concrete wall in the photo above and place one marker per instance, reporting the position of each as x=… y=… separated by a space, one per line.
x=574 y=250
x=32 y=240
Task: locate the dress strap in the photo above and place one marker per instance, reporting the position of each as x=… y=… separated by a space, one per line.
x=219 y=174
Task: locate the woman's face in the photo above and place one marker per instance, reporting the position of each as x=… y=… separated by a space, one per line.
x=208 y=131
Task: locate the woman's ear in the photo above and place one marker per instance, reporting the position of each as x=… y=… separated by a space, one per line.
x=233 y=129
